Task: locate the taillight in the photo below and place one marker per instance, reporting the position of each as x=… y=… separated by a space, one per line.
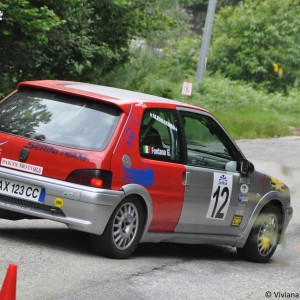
x=95 y=178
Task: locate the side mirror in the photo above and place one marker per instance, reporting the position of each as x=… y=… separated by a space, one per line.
x=246 y=167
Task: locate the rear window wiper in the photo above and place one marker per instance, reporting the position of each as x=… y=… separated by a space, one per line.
x=36 y=136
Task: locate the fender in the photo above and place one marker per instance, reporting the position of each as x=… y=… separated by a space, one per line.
x=136 y=189
x=280 y=198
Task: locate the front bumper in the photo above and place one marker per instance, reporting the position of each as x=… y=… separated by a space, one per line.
x=79 y=207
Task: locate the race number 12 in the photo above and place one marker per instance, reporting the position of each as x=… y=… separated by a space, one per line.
x=220 y=196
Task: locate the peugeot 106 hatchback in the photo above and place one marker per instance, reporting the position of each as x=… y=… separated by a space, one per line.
x=127 y=167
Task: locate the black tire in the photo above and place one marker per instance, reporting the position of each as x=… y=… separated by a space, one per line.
x=264 y=236
x=123 y=231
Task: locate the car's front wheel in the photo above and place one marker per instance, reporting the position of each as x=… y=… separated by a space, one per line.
x=123 y=231
x=264 y=236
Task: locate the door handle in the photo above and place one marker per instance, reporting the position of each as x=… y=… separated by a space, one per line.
x=186 y=178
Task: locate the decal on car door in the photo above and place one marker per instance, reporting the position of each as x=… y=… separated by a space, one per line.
x=220 y=196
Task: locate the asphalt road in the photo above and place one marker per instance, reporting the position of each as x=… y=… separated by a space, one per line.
x=57 y=263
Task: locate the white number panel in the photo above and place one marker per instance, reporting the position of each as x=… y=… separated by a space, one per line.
x=220 y=196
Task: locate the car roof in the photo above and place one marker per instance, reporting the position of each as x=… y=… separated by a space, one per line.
x=119 y=97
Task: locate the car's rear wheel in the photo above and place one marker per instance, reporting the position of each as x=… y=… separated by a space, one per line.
x=264 y=236
x=123 y=231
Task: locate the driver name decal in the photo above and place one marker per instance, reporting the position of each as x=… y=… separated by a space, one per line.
x=156 y=151
x=220 y=196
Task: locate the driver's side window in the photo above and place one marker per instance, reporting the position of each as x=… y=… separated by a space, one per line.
x=207 y=144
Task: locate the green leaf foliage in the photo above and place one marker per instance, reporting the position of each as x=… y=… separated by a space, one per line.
x=193 y=2
x=251 y=37
x=158 y=71
x=23 y=33
x=71 y=39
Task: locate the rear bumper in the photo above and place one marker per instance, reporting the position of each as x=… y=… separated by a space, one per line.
x=79 y=207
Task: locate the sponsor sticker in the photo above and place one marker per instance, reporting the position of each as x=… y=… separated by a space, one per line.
x=59 y=202
x=245 y=180
x=277 y=184
x=21 y=166
x=236 y=221
x=57 y=151
x=241 y=198
x=72 y=195
x=240 y=209
x=244 y=189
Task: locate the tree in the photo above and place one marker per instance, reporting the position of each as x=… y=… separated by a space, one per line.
x=71 y=39
x=253 y=36
x=23 y=32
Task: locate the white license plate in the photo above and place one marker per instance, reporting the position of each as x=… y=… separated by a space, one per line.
x=21 y=190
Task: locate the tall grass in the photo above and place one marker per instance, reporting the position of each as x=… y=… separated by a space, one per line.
x=246 y=112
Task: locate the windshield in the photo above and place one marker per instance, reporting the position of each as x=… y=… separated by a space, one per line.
x=59 y=119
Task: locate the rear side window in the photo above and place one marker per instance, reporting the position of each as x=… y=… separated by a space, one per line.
x=59 y=119
x=159 y=135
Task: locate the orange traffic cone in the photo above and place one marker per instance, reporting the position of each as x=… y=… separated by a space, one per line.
x=8 y=290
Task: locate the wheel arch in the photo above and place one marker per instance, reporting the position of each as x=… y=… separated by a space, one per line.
x=270 y=199
x=143 y=195
x=277 y=203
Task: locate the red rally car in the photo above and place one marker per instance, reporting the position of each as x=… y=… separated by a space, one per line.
x=128 y=167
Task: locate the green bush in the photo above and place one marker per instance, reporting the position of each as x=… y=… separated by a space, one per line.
x=243 y=110
x=251 y=37
x=160 y=68
x=158 y=71
x=246 y=112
